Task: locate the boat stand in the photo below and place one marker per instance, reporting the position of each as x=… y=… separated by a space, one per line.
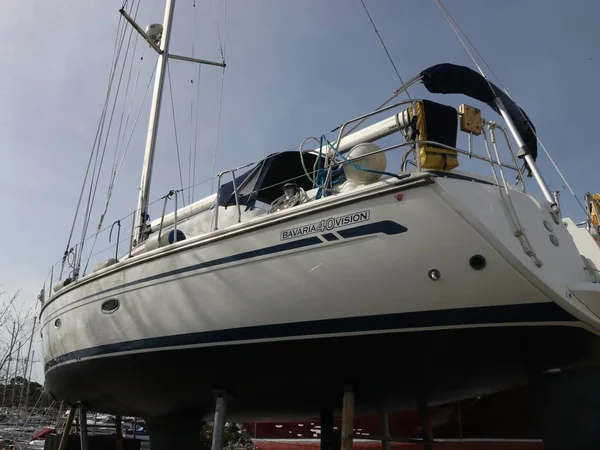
x=386 y=440
x=81 y=419
x=65 y=435
x=83 y=434
x=83 y=431
x=219 y=421
x=426 y=434
x=347 y=418
x=119 y=432
x=327 y=436
x=385 y=429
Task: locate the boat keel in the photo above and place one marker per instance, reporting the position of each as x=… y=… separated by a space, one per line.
x=568 y=405
x=176 y=432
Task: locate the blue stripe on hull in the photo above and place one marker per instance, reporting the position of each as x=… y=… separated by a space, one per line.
x=505 y=314
x=387 y=227
x=458 y=176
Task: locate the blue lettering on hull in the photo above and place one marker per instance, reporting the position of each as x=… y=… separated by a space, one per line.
x=326 y=225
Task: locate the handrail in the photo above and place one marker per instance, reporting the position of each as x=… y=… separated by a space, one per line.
x=397 y=92
x=417 y=149
x=362 y=118
x=51 y=278
x=235 y=193
x=366 y=116
x=418 y=143
x=175 y=221
x=160 y=228
x=438 y=144
x=513 y=154
x=118 y=223
x=132 y=235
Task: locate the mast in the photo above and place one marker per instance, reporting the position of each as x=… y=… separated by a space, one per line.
x=29 y=380
x=12 y=386
x=10 y=350
x=27 y=363
x=163 y=57
x=141 y=216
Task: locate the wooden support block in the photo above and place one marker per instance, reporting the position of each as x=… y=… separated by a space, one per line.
x=65 y=435
x=347 y=418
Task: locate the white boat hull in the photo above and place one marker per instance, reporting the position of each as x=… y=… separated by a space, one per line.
x=317 y=307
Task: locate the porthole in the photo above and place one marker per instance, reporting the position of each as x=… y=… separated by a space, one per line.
x=548 y=226
x=554 y=240
x=110 y=306
x=434 y=274
x=57 y=323
x=477 y=262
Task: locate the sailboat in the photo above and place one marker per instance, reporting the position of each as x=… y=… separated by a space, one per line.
x=330 y=254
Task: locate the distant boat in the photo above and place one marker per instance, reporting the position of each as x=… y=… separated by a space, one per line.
x=39 y=438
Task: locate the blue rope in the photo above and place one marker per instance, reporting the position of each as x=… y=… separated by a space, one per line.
x=321 y=174
x=356 y=166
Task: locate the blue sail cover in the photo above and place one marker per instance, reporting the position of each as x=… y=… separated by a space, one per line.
x=265 y=180
x=452 y=79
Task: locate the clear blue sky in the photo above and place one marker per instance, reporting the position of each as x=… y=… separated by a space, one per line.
x=294 y=69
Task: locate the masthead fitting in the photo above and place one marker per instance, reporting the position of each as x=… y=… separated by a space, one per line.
x=154 y=32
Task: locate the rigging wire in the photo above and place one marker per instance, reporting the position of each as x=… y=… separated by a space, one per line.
x=192 y=100
x=97 y=142
x=214 y=168
x=196 y=131
x=452 y=24
x=62 y=259
x=587 y=213
x=449 y=17
x=135 y=85
x=121 y=128
x=175 y=127
x=191 y=134
x=221 y=46
x=360 y=122
x=224 y=28
x=23 y=428
x=122 y=142
x=190 y=143
x=456 y=27
x=120 y=137
x=384 y=46
x=89 y=165
x=218 y=31
x=137 y=117
x=96 y=176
